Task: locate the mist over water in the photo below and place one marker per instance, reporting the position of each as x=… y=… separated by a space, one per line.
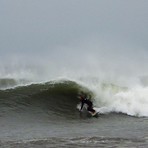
x=117 y=66
x=43 y=40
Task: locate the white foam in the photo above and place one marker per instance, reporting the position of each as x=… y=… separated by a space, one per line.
x=133 y=102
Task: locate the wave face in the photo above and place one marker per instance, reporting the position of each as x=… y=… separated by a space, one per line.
x=54 y=98
x=59 y=98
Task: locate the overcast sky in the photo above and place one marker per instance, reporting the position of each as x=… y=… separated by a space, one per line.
x=69 y=30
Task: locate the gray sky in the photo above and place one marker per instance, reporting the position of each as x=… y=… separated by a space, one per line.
x=74 y=30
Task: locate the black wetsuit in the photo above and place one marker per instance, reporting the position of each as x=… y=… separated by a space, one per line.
x=89 y=104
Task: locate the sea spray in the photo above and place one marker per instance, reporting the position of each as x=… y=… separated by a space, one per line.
x=133 y=102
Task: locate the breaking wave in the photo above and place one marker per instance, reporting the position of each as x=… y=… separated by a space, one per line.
x=59 y=98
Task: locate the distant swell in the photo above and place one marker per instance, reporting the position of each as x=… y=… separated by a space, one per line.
x=6 y=83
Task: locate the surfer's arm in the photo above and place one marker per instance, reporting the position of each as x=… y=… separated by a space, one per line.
x=82 y=104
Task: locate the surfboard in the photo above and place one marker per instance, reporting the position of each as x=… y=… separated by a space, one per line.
x=94 y=114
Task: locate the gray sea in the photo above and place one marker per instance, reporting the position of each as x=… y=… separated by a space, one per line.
x=46 y=115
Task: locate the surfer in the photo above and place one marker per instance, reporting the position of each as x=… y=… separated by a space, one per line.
x=89 y=103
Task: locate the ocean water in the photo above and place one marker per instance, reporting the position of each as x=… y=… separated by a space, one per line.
x=45 y=114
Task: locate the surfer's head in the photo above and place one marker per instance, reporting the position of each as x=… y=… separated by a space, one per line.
x=81 y=96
